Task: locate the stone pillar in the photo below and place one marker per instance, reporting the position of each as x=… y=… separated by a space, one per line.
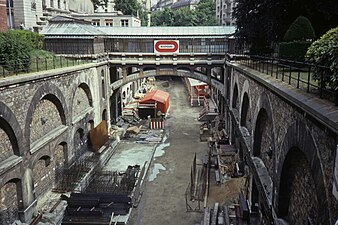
x=124 y=73
x=209 y=76
x=27 y=202
x=141 y=74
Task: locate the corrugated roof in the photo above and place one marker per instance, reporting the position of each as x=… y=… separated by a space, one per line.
x=194 y=82
x=220 y=31
x=71 y=28
x=156 y=95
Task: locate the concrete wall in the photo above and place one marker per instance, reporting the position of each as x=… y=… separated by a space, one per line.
x=296 y=149
x=40 y=116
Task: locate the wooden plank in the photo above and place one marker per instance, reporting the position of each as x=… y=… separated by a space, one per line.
x=206 y=219
x=226 y=215
x=215 y=214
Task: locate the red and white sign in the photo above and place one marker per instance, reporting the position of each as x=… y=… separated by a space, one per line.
x=166 y=46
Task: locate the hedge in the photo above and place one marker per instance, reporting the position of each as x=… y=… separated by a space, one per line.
x=295 y=50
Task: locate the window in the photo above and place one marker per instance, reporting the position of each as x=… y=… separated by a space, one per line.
x=96 y=22
x=109 y=23
x=33 y=4
x=52 y=3
x=43 y=5
x=124 y=23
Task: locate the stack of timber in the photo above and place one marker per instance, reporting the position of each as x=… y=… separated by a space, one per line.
x=233 y=214
x=95 y=208
x=198 y=188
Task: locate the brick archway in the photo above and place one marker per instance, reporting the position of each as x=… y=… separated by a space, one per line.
x=49 y=92
x=299 y=137
x=10 y=125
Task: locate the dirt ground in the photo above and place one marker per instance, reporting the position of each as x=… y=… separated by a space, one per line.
x=163 y=200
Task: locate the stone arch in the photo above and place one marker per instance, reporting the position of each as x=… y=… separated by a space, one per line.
x=104 y=114
x=264 y=139
x=82 y=99
x=10 y=197
x=90 y=125
x=235 y=97
x=169 y=72
x=60 y=154
x=103 y=84
x=43 y=175
x=10 y=127
x=299 y=146
x=48 y=92
x=245 y=111
x=80 y=142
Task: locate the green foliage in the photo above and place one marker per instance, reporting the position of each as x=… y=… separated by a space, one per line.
x=144 y=18
x=15 y=50
x=262 y=23
x=128 y=7
x=206 y=13
x=294 y=50
x=163 y=18
x=325 y=52
x=96 y=3
x=203 y=15
x=300 y=30
x=184 y=17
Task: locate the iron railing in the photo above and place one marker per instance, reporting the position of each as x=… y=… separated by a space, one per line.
x=295 y=73
x=37 y=64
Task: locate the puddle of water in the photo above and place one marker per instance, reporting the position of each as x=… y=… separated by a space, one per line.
x=156 y=170
x=160 y=148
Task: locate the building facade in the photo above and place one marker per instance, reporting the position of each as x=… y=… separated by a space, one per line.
x=112 y=19
x=34 y=14
x=224 y=12
x=3 y=16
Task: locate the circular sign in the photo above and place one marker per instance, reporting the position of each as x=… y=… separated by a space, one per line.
x=166 y=46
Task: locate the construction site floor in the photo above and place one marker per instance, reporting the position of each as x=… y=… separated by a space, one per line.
x=163 y=199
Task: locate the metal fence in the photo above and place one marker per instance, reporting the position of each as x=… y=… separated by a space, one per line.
x=37 y=64
x=295 y=73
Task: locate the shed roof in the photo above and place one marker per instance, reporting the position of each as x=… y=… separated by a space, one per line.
x=194 y=82
x=65 y=26
x=181 y=31
x=156 y=95
x=71 y=28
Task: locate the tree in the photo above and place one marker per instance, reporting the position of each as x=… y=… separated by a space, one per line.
x=324 y=52
x=184 y=17
x=163 y=18
x=300 y=30
x=206 y=13
x=203 y=15
x=262 y=22
x=128 y=7
x=297 y=39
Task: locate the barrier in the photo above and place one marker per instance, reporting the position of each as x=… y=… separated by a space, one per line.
x=156 y=124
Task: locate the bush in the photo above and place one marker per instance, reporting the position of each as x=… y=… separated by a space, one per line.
x=295 y=50
x=16 y=47
x=297 y=39
x=300 y=30
x=14 y=51
x=324 y=52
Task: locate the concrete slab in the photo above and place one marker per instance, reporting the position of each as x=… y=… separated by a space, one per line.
x=129 y=153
